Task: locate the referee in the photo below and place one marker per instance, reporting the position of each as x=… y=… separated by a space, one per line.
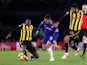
x=26 y=30
x=75 y=21
x=84 y=30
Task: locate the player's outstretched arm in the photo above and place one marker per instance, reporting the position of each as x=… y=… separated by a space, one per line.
x=9 y=35
x=55 y=25
x=39 y=27
x=60 y=20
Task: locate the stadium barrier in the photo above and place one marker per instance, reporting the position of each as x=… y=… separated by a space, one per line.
x=16 y=46
x=61 y=45
x=7 y=45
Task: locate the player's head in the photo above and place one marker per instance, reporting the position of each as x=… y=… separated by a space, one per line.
x=47 y=19
x=74 y=8
x=84 y=8
x=28 y=21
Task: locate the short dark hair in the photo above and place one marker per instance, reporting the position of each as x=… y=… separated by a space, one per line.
x=47 y=16
x=28 y=19
x=75 y=5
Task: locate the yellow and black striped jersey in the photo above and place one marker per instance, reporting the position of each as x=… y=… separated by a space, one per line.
x=26 y=32
x=75 y=20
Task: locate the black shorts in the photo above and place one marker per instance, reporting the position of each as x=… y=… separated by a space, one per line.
x=29 y=46
x=83 y=32
x=74 y=36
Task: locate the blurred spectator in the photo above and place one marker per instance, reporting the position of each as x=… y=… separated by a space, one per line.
x=39 y=42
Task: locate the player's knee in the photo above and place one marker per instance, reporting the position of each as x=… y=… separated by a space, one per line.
x=66 y=39
x=47 y=47
x=48 y=44
x=84 y=40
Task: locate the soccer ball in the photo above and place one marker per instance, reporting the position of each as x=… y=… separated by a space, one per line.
x=22 y=57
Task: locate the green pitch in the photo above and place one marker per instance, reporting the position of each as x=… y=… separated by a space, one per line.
x=10 y=58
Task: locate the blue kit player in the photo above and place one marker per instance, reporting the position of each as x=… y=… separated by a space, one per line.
x=50 y=35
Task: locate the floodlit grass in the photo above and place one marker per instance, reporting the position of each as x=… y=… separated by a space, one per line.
x=10 y=58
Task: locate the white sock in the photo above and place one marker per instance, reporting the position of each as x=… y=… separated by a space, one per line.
x=50 y=51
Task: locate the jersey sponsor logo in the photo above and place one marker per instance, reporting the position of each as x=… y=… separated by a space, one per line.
x=56 y=30
x=51 y=38
x=49 y=28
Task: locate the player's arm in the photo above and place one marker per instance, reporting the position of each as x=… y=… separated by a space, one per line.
x=9 y=35
x=40 y=26
x=60 y=20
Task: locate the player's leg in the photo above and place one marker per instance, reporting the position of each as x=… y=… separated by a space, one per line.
x=30 y=47
x=76 y=46
x=73 y=42
x=72 y=45
x=55 y=38
x=33 y=55
x=34 y=51
x=50 y=51
x=84 y=40
x=23 y=46
x=44 y=44
x=66 y=41
x=44 y=47
x=55 y=45
x=24 y=51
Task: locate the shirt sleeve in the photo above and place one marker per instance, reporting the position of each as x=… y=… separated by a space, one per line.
x=40 y=26
x=19 y=26
x=62 y=17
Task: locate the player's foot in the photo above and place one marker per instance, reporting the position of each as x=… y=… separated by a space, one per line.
x=83 y=56
x=56 y=46
x=30 y=57
x=65 y=56
x=26 y=59
x=51 y=59
x=77 y=51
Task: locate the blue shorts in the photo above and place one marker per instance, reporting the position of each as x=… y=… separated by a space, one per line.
x=51 y=39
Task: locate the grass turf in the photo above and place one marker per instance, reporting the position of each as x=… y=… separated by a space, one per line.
x=10 y=58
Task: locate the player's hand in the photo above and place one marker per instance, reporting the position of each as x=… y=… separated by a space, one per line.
x=72 y=32
x=9 y=35
x=37 y=32
x=55 y=25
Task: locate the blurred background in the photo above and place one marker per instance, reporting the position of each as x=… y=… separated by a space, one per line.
x=14 y=12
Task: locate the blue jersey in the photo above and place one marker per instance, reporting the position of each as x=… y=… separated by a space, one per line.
x=50 y=33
